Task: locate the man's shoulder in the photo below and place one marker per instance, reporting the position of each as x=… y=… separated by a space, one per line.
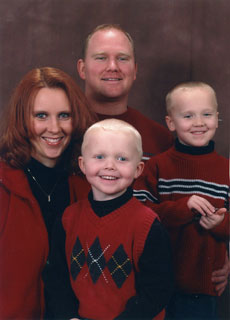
x=135 y=117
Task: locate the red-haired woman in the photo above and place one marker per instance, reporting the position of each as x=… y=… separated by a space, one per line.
x=41 y=134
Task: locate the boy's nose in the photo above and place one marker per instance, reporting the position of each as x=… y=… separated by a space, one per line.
x=109 y=164
x=198 y=121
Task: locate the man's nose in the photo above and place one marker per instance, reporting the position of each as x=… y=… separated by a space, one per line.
x=113 y=64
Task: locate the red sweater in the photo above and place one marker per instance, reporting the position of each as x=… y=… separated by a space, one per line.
x=102 y=253
x=167 y=183
x=155 y=137
x=23 y=246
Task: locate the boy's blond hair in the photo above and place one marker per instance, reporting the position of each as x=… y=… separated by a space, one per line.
x=187 y=86
x=116 y=125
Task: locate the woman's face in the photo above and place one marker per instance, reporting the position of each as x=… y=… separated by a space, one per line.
x=51 y=124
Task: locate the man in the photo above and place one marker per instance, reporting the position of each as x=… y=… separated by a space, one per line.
x=109 y=69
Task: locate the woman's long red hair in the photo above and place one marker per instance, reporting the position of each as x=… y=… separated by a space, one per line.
x=15 y=146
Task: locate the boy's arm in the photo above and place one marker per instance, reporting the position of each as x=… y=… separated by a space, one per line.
x=154 y=281
x=172 y=213
x=61 y=302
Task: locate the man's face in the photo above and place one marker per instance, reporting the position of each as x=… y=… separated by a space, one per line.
x=109 y=67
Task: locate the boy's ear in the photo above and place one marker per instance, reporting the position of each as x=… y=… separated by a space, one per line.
x=139 y=170
x=217 y=121
x=170 y=123
x=81 y=68
x=81 y=164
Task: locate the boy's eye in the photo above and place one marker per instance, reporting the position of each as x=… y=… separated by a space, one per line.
x=208 y=114
x=40 y=115
x=99 y=156
x=64 y=115
x=121 y=158
x=187 y=116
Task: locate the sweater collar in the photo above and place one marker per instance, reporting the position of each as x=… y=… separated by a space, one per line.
x=194 y=150
x=102 y=208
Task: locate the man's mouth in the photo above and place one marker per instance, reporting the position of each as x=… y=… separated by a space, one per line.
x=111 y=79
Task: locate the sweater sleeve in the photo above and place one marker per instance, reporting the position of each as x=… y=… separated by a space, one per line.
x=171 y=213
x=154 y=281
x=4 y=204
x=61 y=302
x=222 y=230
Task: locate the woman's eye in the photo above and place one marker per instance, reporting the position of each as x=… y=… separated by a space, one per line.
x=64 y=115
x=41 y=115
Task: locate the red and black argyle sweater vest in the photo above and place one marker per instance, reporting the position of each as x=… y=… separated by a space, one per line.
x=102 y=254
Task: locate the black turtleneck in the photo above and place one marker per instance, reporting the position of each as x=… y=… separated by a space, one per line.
x=194 y=150
x=49 y=179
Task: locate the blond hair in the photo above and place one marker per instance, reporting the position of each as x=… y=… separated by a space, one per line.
x=115 y=125
x=185 y=86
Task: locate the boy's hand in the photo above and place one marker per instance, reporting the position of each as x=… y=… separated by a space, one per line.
x=220 y=277
x=212 y=220
x=201 y=205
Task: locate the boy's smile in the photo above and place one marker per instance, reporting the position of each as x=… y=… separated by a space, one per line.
x=193 y=116
x=110 y=162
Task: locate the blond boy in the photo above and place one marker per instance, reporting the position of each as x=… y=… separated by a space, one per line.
x=188 y=186
x=118 y=253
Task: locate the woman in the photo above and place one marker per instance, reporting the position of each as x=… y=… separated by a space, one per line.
x=40 y=141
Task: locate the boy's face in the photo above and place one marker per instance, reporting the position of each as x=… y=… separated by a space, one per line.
x=193 y=116
x=110 y=162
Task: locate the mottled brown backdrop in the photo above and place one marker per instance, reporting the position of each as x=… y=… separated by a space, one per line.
x=176 y=40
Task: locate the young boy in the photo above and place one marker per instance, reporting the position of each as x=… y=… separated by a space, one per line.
x=188 y=186
x=118 y=253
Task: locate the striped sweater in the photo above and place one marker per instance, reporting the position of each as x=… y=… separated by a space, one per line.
x=167 y=183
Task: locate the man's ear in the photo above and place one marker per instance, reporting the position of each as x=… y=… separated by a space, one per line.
x=170 y=123
x=81 y=163
x=135 y=71
x=139 y=169
x=81 y=68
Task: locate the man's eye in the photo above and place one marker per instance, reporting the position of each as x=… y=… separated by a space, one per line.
x=40 y=115
x=123 y=58
x=99 y=156
x=64 y=115
x=121 y=158
x=100 y=58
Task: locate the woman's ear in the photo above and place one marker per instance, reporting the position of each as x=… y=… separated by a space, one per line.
x=170 y=123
